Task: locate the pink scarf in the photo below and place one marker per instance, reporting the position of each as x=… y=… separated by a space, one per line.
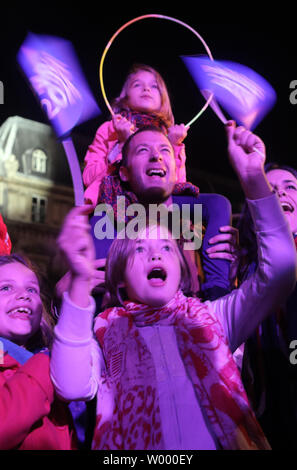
x=128 y=414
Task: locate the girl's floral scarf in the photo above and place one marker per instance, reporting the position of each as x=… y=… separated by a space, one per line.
x=128 y=415
x=142 y=119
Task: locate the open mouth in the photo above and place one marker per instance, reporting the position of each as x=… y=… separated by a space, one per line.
x=287 y=207
x=20 y=312
x=157 y=276
x=160 y=172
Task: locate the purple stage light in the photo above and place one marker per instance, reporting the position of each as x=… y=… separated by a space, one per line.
x=244 y=94
x=54 y=72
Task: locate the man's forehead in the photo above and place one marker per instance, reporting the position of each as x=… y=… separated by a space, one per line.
x=148 y=138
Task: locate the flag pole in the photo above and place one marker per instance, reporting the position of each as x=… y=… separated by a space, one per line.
x=75 y=170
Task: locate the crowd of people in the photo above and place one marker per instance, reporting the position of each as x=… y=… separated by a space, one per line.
x=157 y=346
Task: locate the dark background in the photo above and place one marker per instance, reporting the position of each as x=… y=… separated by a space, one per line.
x=265 y=45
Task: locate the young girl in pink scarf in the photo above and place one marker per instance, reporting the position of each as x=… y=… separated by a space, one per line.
x=163 y=371
x=143 y=101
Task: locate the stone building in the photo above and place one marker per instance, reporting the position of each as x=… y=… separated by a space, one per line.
x=35 y=186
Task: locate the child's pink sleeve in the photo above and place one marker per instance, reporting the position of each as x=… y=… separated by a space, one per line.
x=96 y=156
x=96 y=162
x=180 y=160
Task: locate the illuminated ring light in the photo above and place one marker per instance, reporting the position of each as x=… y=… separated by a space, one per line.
x=134 y=21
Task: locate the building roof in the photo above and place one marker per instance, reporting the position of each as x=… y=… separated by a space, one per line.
x=20 y=137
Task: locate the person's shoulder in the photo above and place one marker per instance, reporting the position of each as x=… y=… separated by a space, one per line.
x=185 y=199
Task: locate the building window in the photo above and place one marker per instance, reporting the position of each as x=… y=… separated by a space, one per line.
x=39 y=161
x=38 y=209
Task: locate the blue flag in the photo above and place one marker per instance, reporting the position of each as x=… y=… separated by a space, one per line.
x=243 y=93
x=54 y=72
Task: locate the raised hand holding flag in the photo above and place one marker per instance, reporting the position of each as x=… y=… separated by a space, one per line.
x=244 y=94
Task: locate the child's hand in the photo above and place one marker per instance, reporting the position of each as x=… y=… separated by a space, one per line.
x=226 y=246
x=64 y=284
x=76 y=243
x=123 y=127
x=246 y=150
x=247 y=157
x=99 y=275
x=177 y=133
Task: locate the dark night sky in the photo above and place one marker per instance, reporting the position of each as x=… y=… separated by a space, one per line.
x=159 y=43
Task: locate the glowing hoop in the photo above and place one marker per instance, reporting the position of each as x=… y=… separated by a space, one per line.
x=134 y=21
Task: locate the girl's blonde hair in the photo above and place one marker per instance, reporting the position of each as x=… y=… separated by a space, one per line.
x=165 y=113
x=118 y=256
